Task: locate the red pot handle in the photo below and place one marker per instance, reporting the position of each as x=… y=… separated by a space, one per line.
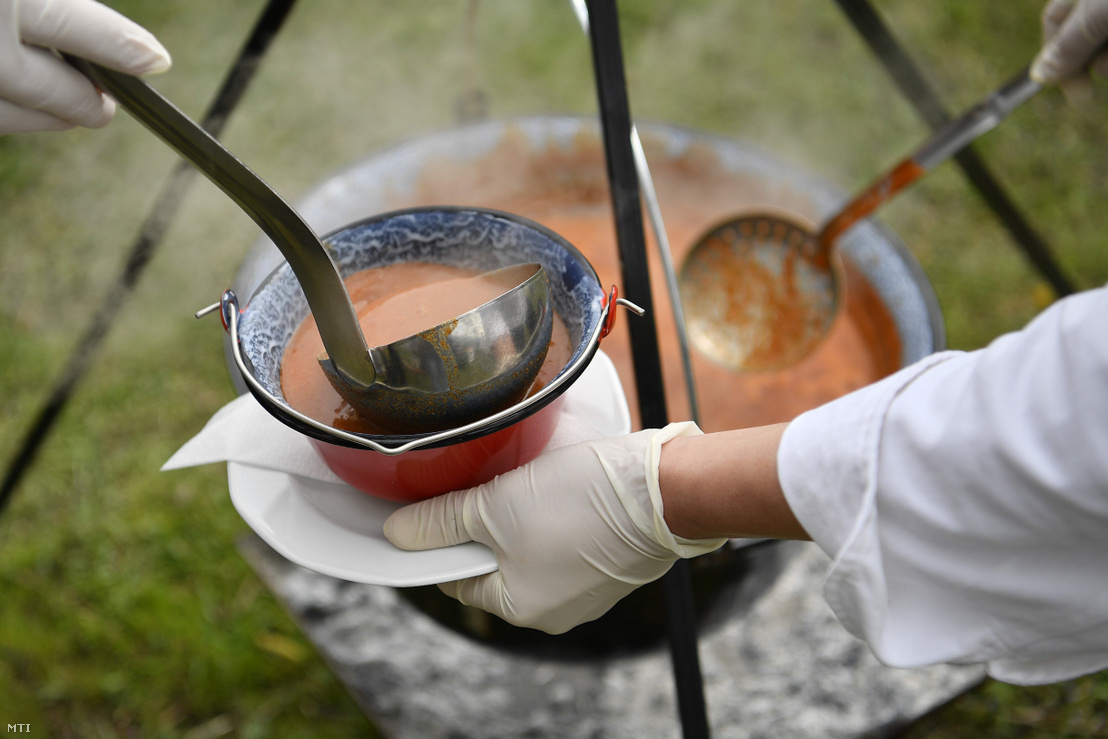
x=611 y=300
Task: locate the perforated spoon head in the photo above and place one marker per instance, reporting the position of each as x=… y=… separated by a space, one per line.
x=760 y=293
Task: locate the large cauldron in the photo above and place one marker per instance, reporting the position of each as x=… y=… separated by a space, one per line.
x=552 y=170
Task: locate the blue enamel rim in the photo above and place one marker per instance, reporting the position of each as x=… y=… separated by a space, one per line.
x=586 y=347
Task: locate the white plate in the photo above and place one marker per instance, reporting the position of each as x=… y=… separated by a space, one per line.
x=336 y=530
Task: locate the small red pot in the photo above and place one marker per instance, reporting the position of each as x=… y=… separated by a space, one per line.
x=425 y=473
x=413 y=467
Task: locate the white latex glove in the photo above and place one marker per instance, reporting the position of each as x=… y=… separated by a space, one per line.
x=39 y=91
x=573 y=531
x=1073 y=32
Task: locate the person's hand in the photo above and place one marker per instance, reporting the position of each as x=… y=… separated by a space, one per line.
x=1074 y=32
x=573 y=532
x=41 y=92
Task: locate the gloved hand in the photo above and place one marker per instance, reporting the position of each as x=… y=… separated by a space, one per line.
x=1073 y=32
x=573 y=531
x=41 y=92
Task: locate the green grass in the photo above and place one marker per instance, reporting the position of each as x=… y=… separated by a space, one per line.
x=126 y=609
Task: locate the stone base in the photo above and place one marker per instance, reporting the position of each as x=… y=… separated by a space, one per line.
x=784 y=667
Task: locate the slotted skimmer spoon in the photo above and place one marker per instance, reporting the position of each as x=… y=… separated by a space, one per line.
x=761 y=291
x=449 y=375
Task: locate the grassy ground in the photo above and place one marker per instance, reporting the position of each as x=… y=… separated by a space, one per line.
x=126 y=610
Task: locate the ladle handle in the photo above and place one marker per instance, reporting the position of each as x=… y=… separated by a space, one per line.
x=298 y=243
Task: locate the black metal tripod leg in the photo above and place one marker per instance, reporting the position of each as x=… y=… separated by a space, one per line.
x=616 y=124
x=150 y=235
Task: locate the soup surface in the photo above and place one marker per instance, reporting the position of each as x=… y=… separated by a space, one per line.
x=392 y=303
x=566 y=189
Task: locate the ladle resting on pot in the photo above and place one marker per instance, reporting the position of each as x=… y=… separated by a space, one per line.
x=446 y=376
x=761 y=291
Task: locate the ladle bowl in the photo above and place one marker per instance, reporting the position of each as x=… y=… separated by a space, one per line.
x=460 y=370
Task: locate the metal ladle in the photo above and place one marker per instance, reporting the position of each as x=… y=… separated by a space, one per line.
x=761 y=291
x=444 y=377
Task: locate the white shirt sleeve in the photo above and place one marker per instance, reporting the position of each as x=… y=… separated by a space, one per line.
x=964 y=502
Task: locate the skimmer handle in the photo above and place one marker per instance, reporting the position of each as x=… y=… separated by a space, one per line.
x=980 y=119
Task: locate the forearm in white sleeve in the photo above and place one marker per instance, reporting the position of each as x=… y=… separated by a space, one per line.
x=964 y=502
